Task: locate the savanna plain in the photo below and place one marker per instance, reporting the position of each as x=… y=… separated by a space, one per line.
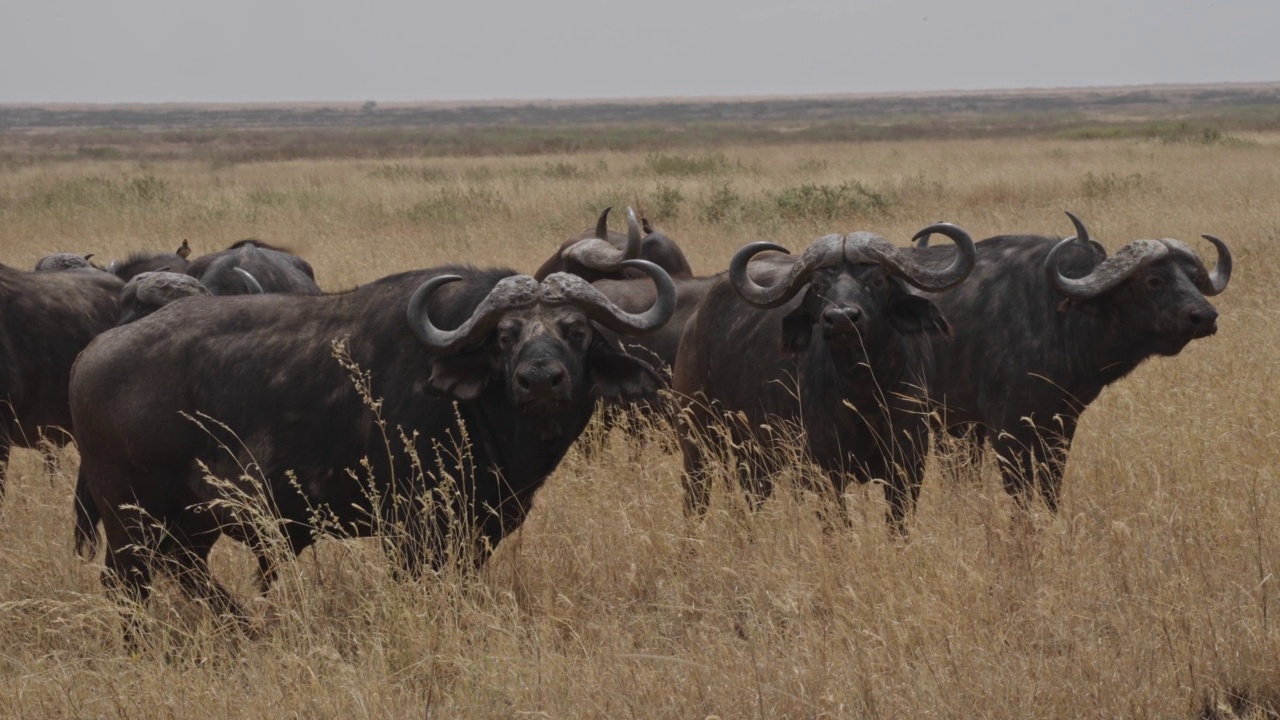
x=1151 y=594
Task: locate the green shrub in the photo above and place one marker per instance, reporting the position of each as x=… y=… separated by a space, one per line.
x=1105 y=185
x=457 y=204
x=830 y=202
x=665 y=201
x=687 y=165
x=401 y=172
x=723 y=205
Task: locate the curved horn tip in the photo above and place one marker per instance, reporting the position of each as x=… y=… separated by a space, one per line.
x=758 y=295
x=416 y=312
x=1081 y=232
x=635 y=238
x=955 y=273
x=255 y=288
x=664 y=303
x=1221 y=274
x=602 y=224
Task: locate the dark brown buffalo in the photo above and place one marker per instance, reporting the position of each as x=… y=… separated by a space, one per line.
x=141 y=262
x=148 y=292
x=1044 y=324
x=63 y=261
x=834 y=347
x=46 y=319
x=596 y=254
x=253 y=266
x=250 y=387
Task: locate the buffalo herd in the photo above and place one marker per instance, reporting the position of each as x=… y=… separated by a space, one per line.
x=206 y=395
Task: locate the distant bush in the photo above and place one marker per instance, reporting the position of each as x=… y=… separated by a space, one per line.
x=812 y=165
x=1105 y=185
x=1179 y=133
x=454 y=204
x=1185 y=132
x=402 y=172
x=687 y=165
x=665 y=201
x=96 y=190
x=553 y=171
x=722 y=205
x=830 y=202
x=99 y=152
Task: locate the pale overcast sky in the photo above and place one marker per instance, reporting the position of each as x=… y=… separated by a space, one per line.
x=402 y=50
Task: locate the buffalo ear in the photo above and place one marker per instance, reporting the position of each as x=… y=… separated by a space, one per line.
x=460 y=377
x=913 y=314
x=797 y=330
x=614 y=374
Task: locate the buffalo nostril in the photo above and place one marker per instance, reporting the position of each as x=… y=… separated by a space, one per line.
x=841 y=316
x=522 y=380
x=557 y=379
x=1202 y=317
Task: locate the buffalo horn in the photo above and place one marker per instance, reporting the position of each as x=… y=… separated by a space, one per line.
x=819 y=251
x=1108 y=274
x=250 y=281
x=635 y=237
x=1221 y=275
x=510 y=292
x=602 y=225
x=599 y=254
x=564 y=288
x=159 y=287
x=1082 y=234
x=935 y=280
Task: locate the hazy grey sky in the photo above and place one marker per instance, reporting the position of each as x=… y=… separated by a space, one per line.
x=265 y=50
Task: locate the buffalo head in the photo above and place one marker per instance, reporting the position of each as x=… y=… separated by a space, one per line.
x=538 y=340
x=1154 y=290
x=856 y=288
x=63 y=261
x=147 y=292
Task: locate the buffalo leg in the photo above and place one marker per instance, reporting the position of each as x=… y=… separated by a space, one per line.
x=695 y=480
x=902 y=493
x=126 y=578
x=1053 y=451
x=49 y=453
x=189 y=565
x=755 y=477
x=833 y=512
x=269 y=560
x=1033 y=459
x=4 y=463
x=964 y=452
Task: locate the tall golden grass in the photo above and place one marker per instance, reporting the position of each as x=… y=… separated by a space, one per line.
x=1150 y=595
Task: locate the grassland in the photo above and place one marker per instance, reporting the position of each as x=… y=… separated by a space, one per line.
x=1150 y=595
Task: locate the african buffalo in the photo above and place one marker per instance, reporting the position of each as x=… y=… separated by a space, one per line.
x=141 y=262
x=452 y=436
x=274 y=269
x=600 y=264
x=150 y=291
x=596 y=254
x=46 y=319
x=847 y=363
x=1044 y=324
x=63 y=261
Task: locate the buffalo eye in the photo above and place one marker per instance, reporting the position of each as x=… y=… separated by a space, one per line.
x=577 y=333
x=876 y=281
x=1155 y=282
x=508 y=333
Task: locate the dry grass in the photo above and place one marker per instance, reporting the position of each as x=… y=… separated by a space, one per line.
x=1151 y=595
